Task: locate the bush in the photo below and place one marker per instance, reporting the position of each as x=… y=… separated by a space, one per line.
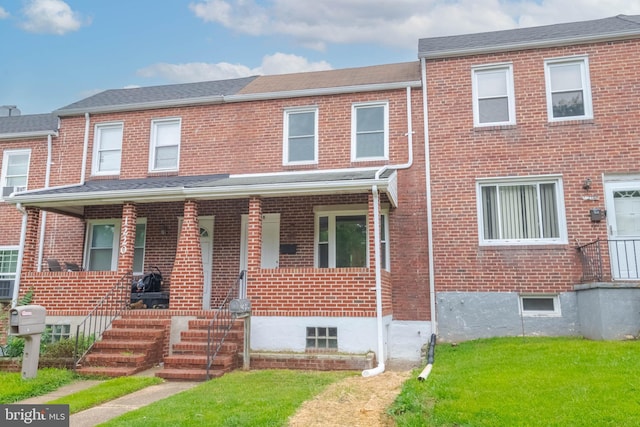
x=60 y=349
x=15 y=347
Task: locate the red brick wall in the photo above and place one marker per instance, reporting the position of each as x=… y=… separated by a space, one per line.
x=575 y=149
x=247 y=137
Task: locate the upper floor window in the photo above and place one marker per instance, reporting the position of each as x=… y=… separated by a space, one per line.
x=300 y=136
x=103 y=240
x=15 y=171
x=568 y=89
x=165 y=145
x=370 y=132
x=521 y=211
x=493 y=95
x=107 y=148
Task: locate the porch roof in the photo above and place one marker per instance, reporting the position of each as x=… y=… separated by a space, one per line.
x=72 y=199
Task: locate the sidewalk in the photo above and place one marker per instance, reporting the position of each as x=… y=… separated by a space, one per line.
x=112 y=409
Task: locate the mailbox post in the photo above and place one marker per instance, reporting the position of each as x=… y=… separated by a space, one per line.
x=28 y=321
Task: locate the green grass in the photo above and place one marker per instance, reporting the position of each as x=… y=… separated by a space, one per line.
x=255 y=398
x=526 y=382
x=13 y=388
x=104 y=392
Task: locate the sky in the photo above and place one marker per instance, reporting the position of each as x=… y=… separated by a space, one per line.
x=56 y=52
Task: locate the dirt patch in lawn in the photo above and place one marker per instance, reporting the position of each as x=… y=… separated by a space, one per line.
x=354 y=402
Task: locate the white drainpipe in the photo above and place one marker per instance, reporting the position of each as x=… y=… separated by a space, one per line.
x=43 y=219
x=23 y=237
x=427 y=162
x=85 y=149
x=376 y=237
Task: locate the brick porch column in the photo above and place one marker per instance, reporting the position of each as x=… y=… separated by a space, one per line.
x=127 y=238
x=187 y=277
x=254 y=234
x=29 y=255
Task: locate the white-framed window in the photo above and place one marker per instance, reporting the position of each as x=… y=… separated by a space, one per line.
x=8 y=269
x=341 y=236
x=540 y=305
x=107 y=148
x=103 y=245
x=164 y=154
x=300 y=144
x=493 y=95
x=322 y=338
x=521 y=211
x=15 y=171
x=370 y=131
x=568 y=89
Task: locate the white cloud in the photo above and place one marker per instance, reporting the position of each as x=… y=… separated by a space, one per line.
x=278 y=63
x=3 y=13
x=399 y=23
x=50 y=17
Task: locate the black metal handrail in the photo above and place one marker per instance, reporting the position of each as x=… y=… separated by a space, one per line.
x=591 y=257
x=223 y=320
x=99 y=319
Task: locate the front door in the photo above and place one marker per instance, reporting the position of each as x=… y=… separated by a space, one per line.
x=270 y=241
x=623 y=221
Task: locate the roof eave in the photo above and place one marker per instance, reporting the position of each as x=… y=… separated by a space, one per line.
x=531 y=45
x=374 y=87
x=141 y=106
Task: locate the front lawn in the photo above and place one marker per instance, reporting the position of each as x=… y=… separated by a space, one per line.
x=254 y=398
x=526 y=382
x=13 y=388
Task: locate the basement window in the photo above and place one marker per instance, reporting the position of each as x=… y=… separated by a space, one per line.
x=539 y=305
x=58 y=332
x=321 y=338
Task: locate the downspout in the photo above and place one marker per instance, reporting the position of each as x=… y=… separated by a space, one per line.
x=23 y=237
x=427 y=163
x=376 y=244
x=85 y=148
x=43 y=219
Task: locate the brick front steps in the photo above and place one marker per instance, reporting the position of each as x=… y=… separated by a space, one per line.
x=130 y=346
x=188 y=361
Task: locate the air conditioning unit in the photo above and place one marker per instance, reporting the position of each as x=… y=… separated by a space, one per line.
x=7 y=191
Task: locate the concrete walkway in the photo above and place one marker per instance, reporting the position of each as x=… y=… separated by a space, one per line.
x=114 y=408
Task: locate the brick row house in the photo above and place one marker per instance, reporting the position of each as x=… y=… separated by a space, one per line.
x=490 y=188
x=535 y=152
x=303 y=181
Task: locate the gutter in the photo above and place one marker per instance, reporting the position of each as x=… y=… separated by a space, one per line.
x=376 y=240
x=427 y=163
x=220 y=99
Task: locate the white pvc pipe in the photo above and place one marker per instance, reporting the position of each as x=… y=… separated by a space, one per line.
x=23 y=238
x=43 y=218
x=425 y=372
x=85 y=149
x=427 y=162
x=376 y=245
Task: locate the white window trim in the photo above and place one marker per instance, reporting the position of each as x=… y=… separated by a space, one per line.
x=4 y=276
x=285 y=136
x=354 y=129
x=583 y=60
x=97 y=132
x=153 y=141
x=562 y=223
x=115 y=250
x=556 y=312
x=511 y=102
x=340 y=210
x=5 y=165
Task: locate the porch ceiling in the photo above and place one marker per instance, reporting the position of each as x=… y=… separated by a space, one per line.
x=71 y=200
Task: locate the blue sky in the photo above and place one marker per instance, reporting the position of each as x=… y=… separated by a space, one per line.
x=55 y=52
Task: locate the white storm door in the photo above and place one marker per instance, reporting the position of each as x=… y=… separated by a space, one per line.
x=623 y=220
x=270 y=241
x=206 y=246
